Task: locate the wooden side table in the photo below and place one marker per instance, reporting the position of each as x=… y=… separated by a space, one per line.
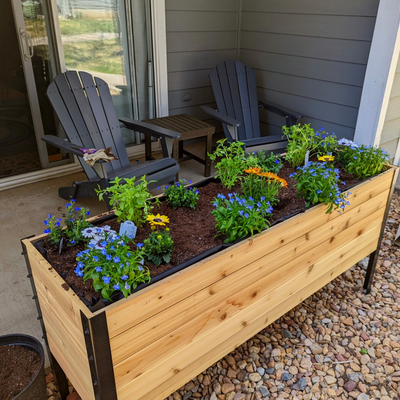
x=190 y=128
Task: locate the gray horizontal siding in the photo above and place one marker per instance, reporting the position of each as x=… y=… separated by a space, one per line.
x=337 y=7
x=309 y=56
x=200 y=34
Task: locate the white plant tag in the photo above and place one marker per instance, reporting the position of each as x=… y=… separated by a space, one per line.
x=306 y=157
x=128 y=228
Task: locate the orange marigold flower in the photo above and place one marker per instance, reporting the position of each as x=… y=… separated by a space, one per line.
x=253 y=170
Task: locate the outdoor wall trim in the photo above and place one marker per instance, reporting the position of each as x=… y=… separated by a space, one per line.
x=380 y=73
x=159 y=31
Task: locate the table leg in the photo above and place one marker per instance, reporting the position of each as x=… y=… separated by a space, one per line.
x=207 y=161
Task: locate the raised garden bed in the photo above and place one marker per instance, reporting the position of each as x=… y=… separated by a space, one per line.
x=148 y=345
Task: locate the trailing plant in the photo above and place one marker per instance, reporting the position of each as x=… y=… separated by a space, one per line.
x=303 y=138
x=178 y=195
x=231 y=162
x=159 y=247
x=129 y=197
x=257 y=184
x=317 y=182
x=113 y=265
x=75 y=221
x=237 y=216
x=266 y=161
x=363 y=161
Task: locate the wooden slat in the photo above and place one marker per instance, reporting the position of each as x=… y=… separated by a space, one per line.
x=183 y=374
x=200 y=41
x=153 y=328
x=226 y=323
x=163 y=294
x=204 y=5
x=252 y=88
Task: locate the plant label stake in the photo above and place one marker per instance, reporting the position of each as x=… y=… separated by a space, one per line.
x=128 y=228
x=306 y=157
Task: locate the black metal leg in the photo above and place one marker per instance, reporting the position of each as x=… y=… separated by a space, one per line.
x=373 y=259
x=59 y=377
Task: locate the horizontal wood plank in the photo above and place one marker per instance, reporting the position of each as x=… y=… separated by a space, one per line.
x=199 y=41
x=204 y=341
x=183 y=374
x=152 y=329
x=203 y=5
x=173 y=289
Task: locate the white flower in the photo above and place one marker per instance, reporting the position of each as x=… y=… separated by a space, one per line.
x=89 y=232
x=347 y=142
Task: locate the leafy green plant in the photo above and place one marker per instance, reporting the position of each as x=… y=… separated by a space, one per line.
x=129 y=197
x=237 y=217
x=231 y=164
x=317 y=182
x=178 y=195
x=363 y=161
x=113 y=265
x=257 y=184
x=363 y=351
x=158 y=247
x=303 y=138
x=75 y=222
x=266 y=161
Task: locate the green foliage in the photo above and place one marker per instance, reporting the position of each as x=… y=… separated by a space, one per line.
x=318 y=183
x=303 y=138
x=75 y=222
x=177 y=195
x=363 y=161
x=158 y=247
x=237 y=217
x=129 y=198
x=231 y=164
x=113 y=265
x=257 y=184
x=266 y=161
x=363 y=351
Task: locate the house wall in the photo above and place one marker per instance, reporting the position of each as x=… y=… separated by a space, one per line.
x=200 y=33
x=391 y=128
x=309 y=56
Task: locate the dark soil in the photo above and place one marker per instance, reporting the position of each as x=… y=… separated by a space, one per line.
x=193 y=231
x=18 y=366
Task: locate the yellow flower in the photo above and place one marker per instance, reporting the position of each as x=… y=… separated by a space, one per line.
x=159 y=237
x=326 y=158
x=157 y=219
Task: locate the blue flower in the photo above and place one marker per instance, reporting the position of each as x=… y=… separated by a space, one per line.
x=124 y=277
x=319 y=191
x=108 y=257
x=116 y=286
x=190 y=181
x=106 y=279
x=196 y=192
x=95 y=258
x=112 y=248
x=246 y=215
x=177 y=183
x=79 y=273
x=98 y=269
x=139 y=245
x=262 y=198
x=241 y=212
x=250 y=198
x=77 y=208
x=127 y=287
x=80 y=264
x=47 y=231
x=72 y=241
x=57 y=224
x=103 y=252
x=46 y=222
x=103 y=243
x=276 y=161
x=140 y=268
x=87 y=212
x=128 y=254
x=116 y=259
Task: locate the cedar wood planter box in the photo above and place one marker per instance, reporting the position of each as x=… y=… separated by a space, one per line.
x=156 y=340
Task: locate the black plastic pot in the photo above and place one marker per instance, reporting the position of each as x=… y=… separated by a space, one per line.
x=36 y=390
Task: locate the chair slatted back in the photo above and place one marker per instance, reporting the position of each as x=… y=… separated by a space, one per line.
x=85 y=109
x=235 y=93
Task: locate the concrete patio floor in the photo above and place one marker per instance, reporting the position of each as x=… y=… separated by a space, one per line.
x=23 y=211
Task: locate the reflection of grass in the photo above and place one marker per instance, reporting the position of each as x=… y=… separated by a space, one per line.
x=101 y=56
x=36 y=27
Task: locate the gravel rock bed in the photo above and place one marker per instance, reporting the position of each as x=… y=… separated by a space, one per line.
x=338 y=344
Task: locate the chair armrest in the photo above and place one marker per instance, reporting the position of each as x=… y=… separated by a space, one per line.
x=149 y=129
x=280 y=110
x=220 y=117
x=63 y=144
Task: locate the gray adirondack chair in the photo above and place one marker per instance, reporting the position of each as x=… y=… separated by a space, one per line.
x=83 y=105
x=235 y=92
